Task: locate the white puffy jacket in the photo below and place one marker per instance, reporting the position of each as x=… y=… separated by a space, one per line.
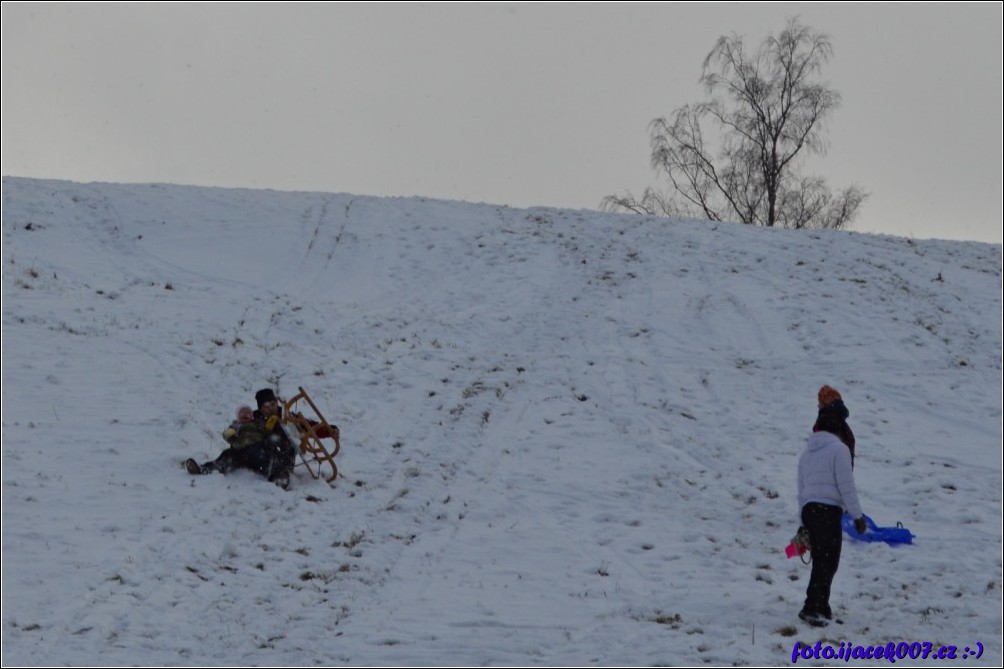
x=825 y=474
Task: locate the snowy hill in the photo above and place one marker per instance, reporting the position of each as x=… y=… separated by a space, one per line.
x=569 y=438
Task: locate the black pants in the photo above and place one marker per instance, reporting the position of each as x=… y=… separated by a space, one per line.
x=825 y=537
x=272 y=459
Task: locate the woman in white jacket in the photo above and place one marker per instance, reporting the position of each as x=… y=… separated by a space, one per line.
x=825 y=489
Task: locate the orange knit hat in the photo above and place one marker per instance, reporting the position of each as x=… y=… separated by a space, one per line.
x=828 y=396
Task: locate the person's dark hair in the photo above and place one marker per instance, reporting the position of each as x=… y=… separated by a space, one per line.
x=832 y=417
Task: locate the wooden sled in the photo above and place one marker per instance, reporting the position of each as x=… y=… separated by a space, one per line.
x=312 y=450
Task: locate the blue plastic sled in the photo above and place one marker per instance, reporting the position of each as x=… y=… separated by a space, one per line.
x=890 y=535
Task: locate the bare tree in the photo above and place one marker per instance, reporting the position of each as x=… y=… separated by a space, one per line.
x=769 y=110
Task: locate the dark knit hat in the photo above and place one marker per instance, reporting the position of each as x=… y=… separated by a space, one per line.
x=265 y=395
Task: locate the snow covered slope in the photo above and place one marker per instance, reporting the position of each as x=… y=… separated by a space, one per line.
x=569 y=438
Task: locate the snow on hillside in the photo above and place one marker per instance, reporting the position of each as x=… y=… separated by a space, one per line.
x=569 y=438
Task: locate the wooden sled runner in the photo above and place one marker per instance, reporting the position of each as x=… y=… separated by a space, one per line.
x=313 y=453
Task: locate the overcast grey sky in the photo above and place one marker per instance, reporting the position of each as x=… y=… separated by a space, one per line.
x=515 y=104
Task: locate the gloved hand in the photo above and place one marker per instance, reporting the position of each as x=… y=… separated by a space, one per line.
x=229 y=434
x=860 y=526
